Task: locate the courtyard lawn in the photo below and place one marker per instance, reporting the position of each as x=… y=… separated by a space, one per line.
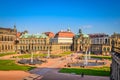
x=61 y=54
x=4 y=54
x=10 y=65
x=101 y=57
x=102 y=71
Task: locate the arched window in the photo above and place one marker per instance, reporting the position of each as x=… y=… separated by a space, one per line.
x=11 y=39
x=106 y=41
x=26 y=47
x=5 y=47
x=41 y=48
x=8 y=47
x=38 y=47
x=32 y=41
x=108 y=49
x=2 y=38
x=34 y=47
x=8 y=38
x=21 y=47
x=104 y=49
x=11 y=47
x=5 y=38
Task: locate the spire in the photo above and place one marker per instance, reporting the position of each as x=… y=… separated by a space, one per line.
x=80 y=31
x=15 y=28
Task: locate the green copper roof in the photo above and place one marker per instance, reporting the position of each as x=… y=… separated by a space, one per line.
x=33 y=35
x=85 y=35
x=78 y=35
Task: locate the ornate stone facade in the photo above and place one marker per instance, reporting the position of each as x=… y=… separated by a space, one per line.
x=115 y=66
x=43 y=42
x=81 y=42
x=7 y=38
x=100 y=44
x=33 y=42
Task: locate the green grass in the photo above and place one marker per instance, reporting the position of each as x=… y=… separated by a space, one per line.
x=10 y=65
x=101 y=57
x=104 y=71
x=41 y=55
x=61 y=54
x=8 y=53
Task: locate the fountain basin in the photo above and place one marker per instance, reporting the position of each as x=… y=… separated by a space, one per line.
x=81 y=64
x=28 y=61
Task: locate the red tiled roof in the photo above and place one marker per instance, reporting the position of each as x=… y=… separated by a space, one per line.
x=50 y=34
x=65 y=34
x=18 y=34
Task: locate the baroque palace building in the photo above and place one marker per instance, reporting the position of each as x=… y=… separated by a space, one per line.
x=41 y=43
x=11 y=41
x=115 y=66
x=81 y=42
x=100 y=44
x=33 y=42
x=63 y=40
x=7 y=38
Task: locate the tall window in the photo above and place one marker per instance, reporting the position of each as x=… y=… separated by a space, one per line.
x=2 y=47
x=5 y=38
x=11 y=47
x=2 y=38
x=38 y=47
x=11 y=39
x=5 y=47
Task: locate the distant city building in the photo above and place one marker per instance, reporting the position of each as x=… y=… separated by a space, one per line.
x=100 y=43
x=115 y=66
x=81 y=42
x=7 y=38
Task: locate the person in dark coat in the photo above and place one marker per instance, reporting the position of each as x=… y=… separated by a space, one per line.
x=82 y=74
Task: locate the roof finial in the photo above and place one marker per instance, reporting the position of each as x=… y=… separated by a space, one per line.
x=15 y=28
x=68 y=30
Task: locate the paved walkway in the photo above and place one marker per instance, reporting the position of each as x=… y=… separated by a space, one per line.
x=49 y=70
x=53 y=74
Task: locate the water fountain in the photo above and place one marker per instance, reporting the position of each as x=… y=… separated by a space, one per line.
x=31 y=61
x=85 y=59
x=48 y=55
x=86 y=62
x=89 y=56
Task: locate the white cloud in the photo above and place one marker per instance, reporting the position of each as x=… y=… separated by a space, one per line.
x=86 y=26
